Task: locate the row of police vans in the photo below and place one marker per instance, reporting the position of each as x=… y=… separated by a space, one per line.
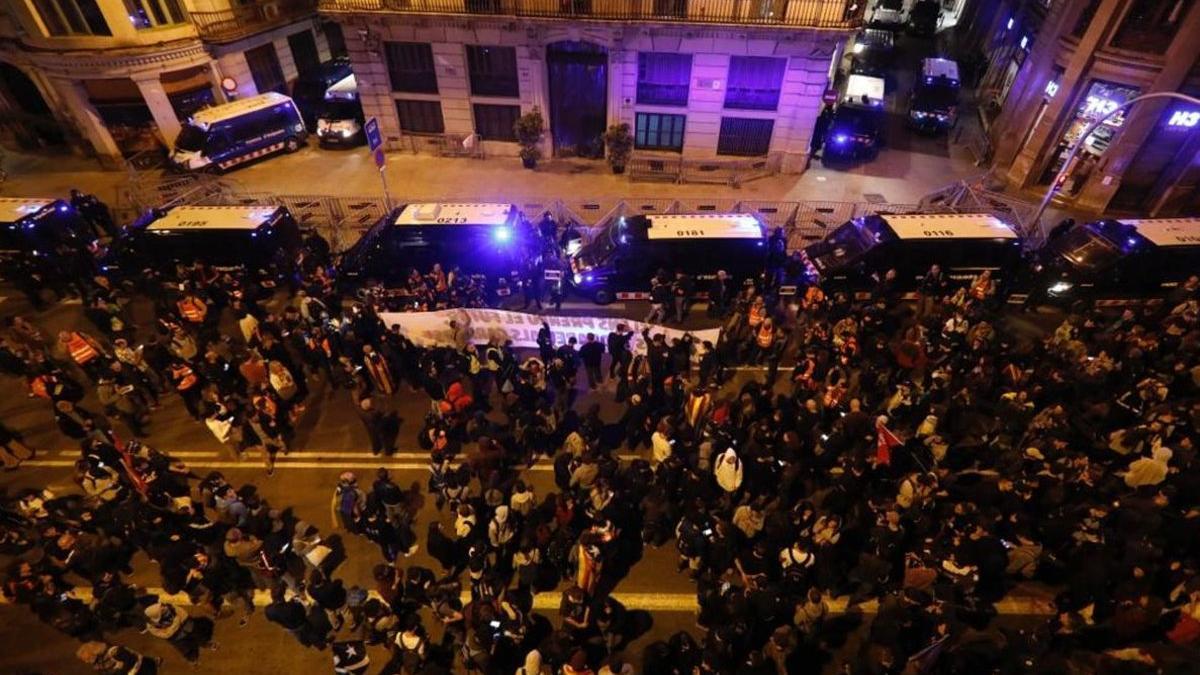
x=1107 y=260
x=325 y=102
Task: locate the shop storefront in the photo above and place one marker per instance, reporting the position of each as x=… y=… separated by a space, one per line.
x=1171 y=144
x=1101 y=99
x=119 y=103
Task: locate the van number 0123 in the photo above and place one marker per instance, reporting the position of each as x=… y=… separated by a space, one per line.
x=937 y=233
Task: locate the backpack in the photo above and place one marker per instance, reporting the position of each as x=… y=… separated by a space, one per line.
x=347 y=499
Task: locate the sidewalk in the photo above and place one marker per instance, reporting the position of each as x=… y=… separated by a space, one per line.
x=900 y=175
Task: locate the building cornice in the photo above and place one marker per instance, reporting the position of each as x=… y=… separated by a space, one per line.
x=85 y=63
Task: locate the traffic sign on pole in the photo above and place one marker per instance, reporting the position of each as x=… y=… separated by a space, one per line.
x=379 y=158
x=374 y=139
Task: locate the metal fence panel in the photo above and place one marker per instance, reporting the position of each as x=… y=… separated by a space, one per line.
x=813 y=220
x=706 y=205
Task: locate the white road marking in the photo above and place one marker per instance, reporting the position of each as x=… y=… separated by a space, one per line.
x=653 y=602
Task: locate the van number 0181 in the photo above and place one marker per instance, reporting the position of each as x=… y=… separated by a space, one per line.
x=688 y=233
x=937 y=233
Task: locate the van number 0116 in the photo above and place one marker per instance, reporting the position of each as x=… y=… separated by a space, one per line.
x=937 y=233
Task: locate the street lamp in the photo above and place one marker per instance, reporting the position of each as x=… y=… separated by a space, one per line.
x=1061 y=176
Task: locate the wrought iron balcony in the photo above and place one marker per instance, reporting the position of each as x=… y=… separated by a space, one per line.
x=795 y=13
x=240 y=21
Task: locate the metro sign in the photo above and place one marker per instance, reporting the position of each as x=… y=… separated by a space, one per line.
x=1096 y=105
x=1184 y=118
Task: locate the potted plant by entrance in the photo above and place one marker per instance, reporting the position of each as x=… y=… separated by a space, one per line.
x=529 y=129
x=620 y=146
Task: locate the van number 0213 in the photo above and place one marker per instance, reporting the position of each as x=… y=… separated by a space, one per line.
x=459 y=220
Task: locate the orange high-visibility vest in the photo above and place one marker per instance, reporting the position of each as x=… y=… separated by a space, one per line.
x=81 y=350
x=184 y=377
x=765 y=335
x=758 y=314
x=813 y=297
x=39 y=387
x=192 y=309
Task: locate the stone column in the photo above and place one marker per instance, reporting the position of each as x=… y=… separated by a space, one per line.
x=215 y=76
x=160 y=106
x=87 y=120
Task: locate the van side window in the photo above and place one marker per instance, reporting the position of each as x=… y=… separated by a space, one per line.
x=218 y=141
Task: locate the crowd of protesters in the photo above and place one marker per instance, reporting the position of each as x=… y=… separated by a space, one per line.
x=926 y=457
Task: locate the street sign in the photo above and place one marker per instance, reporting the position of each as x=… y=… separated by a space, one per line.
x=829 y=96
x=378 y=158
x=374 y=139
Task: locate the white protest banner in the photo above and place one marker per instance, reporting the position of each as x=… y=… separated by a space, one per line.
x=432 y=329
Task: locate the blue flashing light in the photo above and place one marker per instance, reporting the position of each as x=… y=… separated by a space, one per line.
x=63 y=207
x=502 y=234
x=588 y=278
x=1132 y=241
x=624 y=239
x=840 y=138
x=1011 y=23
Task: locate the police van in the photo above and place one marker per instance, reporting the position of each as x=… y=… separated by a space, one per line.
x=620 y=262
x=340 y=118
x=312 y=87
x=856 y=129
x=1114 y=262
x=873 y=52
x=861 y=251
x=37 y=227
x=479 y=238
x=934 y=103
x=224 y=136
x=223 y=237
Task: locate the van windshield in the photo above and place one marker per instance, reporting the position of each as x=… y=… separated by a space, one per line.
x=857 y=119
x=936 y=96
x=190 y=138
x=340 y=109
x=1087 y=249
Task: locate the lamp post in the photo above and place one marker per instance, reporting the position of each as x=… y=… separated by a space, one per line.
x=1062 y=173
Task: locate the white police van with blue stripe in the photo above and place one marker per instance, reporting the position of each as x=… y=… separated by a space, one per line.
x=224 y=136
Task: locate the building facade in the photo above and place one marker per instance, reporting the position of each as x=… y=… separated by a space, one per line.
x=1087 y=58
x=692 y=78
x=112 y=78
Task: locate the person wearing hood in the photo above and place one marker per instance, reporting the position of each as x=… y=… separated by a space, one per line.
x=500 y=530
x=728 y=471
x=1149 y=470
x=186 y=634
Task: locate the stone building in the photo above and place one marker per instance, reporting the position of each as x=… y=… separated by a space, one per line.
x=111 y=78
x=692 y=78
x=1083 y=59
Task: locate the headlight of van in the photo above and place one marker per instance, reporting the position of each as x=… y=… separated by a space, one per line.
x=1060 y=287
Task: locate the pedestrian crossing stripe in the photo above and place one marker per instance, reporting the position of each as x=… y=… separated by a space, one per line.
x=645 y=601
x=274 y=147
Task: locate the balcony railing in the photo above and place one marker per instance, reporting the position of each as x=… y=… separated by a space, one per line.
x=799 y=13
x=242 y=20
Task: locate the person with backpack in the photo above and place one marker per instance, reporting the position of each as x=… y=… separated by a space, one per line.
x=348 y=504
